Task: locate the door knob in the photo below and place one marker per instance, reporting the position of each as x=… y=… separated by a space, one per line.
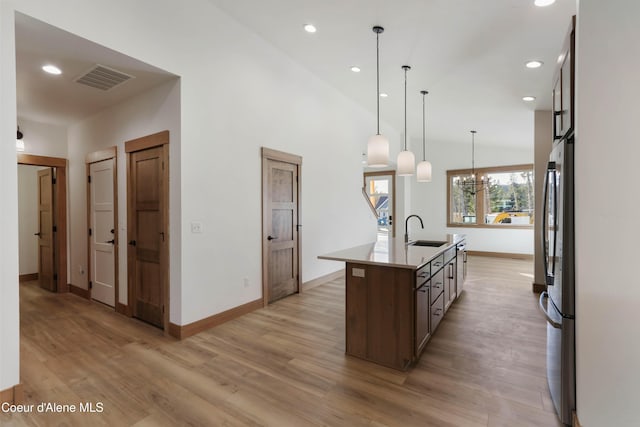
x=132 y=242
x=271 y=238
x=112 y=241
x=37 y=234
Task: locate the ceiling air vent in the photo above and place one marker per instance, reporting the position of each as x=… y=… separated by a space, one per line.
x=103 y=78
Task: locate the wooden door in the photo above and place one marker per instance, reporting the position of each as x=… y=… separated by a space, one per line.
x=147 y=260
x=102 y=236
x=46 y=252
x=280 y=228
x=381 y=189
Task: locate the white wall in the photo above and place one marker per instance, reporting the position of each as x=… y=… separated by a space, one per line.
x=607 y=153
x=28 y=218
x=43 y=139
x=237 y=93
x=155 y=110
x=9 y=303
x=429 y=200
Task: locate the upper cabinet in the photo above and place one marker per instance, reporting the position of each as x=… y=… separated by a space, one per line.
x=563 y=86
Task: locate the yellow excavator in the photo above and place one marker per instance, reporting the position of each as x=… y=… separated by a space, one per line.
x=506 y=217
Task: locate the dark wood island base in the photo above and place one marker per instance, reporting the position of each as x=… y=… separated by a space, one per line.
x=396 y=296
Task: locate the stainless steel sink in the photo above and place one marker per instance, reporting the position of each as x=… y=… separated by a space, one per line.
x=432 y=243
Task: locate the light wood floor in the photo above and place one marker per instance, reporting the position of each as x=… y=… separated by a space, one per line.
x=285 y=365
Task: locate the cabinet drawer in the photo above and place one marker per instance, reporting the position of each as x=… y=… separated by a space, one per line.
x=437 y=312
x=437 y=263
x=423 y=274
x=437 y=285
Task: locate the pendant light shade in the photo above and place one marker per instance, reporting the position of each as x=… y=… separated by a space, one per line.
x=423 y=172
x=406 y=159
x=378 y=151
x=378 y=145
x=406 y=163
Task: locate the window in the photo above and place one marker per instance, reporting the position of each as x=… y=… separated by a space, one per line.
x=502 y=197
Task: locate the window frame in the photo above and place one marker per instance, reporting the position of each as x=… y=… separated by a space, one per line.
x=480 y=208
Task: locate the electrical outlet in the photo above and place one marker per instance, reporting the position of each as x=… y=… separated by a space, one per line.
x=80 y=269
x=196 y=227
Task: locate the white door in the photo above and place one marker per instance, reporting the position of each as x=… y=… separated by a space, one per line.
x=102 y=235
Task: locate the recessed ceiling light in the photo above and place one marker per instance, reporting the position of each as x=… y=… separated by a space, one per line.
x=528 y=98
x=52 y=69
x=310 y=28
x=542 y=3
x=355 y=69
x=534 y=64
x=383 y=95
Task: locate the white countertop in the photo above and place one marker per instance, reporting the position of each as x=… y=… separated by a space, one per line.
x=393 y=253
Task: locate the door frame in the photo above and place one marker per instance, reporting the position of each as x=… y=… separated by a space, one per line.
x=391 y=173
x=60 y=199
x=280 y=156
x=160 y=139
x=99 y=156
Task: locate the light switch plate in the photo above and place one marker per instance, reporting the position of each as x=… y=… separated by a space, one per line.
x=196 y=227
x=357 y=272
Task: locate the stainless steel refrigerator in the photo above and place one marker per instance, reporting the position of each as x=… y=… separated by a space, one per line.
x=557 y=303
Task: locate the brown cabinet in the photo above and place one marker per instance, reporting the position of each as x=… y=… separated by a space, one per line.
x=423 y=328
x=379 y=314
x=392 y=312
x=437 y=312
x=449 y=272
x=437 y=284
x=450 y=280
x=563 y=86
x=461 y=267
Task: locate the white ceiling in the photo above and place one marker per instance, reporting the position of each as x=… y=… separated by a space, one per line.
x=58 y=99
x=469 y=55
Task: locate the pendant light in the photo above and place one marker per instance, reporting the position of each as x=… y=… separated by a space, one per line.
x=472 y=184
x=406 y=159
x=378 y=145
x=423 y=170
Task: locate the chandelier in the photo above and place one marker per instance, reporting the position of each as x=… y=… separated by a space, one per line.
x=471 y=183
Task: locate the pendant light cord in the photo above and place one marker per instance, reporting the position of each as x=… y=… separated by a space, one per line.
x=378 y=79
x=406 y=68
x=424 y=132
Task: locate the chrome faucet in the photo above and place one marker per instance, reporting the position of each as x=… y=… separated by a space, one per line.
x=406 y=229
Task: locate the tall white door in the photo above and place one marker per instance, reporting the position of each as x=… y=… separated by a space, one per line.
x=102 y=239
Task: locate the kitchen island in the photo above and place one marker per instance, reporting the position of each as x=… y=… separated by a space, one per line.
x=396 y=295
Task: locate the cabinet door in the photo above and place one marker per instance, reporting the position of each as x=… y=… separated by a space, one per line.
x=459 y=272
x=567 y=93
x=451 y=279
x=447 y=287
x=422 y=317
x=557 y=107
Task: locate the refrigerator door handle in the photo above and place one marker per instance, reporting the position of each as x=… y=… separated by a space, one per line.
x=551 y=167
x=544 y=295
